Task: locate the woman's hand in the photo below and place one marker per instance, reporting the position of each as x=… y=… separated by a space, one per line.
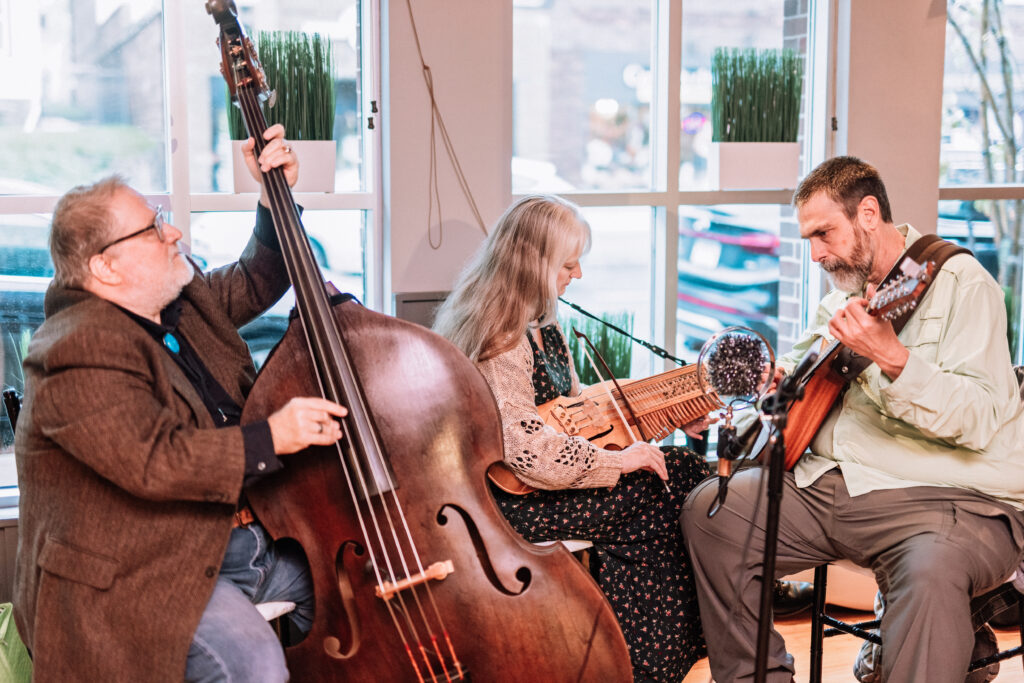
x=696 y=428
x=644 y=456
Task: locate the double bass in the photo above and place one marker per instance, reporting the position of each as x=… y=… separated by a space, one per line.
x=417 y=575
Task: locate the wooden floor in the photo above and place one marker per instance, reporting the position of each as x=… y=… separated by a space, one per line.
x=840 y=652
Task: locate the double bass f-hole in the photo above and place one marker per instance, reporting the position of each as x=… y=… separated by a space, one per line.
x=399 y=594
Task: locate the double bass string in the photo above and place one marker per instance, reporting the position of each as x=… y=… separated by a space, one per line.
x=281 y=205
x=305 y=291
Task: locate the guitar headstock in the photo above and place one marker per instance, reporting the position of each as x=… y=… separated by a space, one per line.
x=240 y=65
x=903 y=292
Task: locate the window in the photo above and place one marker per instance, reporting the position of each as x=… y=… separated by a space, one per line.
x=597 y=118
x=981 y=150
x=5 y=28
x=728 y=272
x=708 y=25
x=210 y=167
x=134 y=88
x=582 y=74
x=337 y=239
x=87 y=98
x=605 y=118
x=617 y=271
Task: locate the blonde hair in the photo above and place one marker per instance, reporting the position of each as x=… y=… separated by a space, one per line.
x=512 y=279
x=82 y=223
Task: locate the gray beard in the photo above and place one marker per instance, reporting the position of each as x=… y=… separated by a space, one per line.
x=853 y=275
x=848 y=278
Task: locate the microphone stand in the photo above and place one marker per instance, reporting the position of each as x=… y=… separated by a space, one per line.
x=790 y=389
x=730 y=449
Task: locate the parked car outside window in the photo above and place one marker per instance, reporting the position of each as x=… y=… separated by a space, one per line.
x=728 y=272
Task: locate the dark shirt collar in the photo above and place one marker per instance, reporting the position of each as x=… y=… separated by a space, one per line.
x=169 y=319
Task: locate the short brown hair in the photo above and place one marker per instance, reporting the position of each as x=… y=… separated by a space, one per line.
x=82 y=223
x=846 y=180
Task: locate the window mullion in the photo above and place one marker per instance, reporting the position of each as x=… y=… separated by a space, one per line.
x=176 y=94
x=666 y=60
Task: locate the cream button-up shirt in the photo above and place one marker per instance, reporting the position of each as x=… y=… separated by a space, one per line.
x=954 y=415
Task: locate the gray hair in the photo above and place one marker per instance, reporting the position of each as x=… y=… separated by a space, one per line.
x=82 y=223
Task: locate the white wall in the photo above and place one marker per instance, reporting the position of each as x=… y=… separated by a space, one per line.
x=889 y=98
x=468 y=46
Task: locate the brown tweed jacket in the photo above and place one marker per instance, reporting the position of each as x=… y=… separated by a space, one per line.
x=127 y=489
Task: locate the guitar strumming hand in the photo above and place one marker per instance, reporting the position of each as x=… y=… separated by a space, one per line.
x=863 y=326
x=869 y=336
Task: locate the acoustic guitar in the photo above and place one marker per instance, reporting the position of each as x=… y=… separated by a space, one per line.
x=825 y=381
x=657 y=406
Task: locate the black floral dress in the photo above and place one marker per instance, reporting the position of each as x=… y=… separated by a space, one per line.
x=639 y=558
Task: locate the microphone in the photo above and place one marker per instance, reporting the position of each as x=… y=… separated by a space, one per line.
x=802 y=369
x=730 y=449
x=735 y=365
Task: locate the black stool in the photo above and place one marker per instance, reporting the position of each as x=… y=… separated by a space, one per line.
x=984 y=608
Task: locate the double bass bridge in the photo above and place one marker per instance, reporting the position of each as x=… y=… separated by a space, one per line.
x=435 y=572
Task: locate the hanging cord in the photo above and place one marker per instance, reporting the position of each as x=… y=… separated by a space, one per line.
x=437 y=124
x=656 y=350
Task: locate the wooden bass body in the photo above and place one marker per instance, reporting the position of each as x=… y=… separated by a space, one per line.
x=514 y=612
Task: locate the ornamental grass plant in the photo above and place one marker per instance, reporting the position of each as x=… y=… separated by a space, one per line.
x=300 y=68
x=755 y=95
x=614 y=347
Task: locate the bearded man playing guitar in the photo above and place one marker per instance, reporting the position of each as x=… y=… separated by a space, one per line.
x=916 y=472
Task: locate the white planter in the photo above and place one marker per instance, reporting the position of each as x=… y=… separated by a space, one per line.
x=755 y=165
x=316 y=166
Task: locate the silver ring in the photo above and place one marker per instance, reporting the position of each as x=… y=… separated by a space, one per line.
x=287 y=149
x=319 y=427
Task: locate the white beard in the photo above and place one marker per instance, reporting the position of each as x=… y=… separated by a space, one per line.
x=181 y=276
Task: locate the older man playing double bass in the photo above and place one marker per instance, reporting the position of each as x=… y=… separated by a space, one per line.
x=136 y=560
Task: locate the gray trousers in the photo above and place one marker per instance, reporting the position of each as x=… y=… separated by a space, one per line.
x=931 y=549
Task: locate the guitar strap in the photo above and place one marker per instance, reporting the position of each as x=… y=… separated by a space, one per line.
x=928 y=248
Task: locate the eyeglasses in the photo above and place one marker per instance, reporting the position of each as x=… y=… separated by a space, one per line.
x=157 y=225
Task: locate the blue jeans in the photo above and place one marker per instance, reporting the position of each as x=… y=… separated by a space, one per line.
x=233 y=642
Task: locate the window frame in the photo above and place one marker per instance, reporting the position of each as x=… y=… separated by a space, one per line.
x=665 y=197
x=182 y=202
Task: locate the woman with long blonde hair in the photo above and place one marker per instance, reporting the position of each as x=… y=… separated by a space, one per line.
x=501 y=313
